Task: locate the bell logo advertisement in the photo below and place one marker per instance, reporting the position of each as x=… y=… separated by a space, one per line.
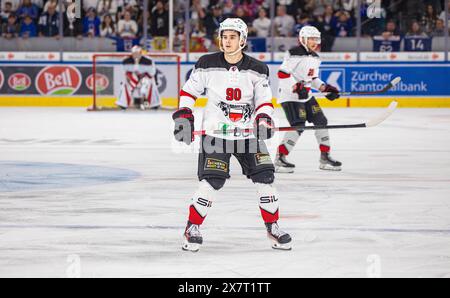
x=19 y=81
x=58 y=80
x=101 y=82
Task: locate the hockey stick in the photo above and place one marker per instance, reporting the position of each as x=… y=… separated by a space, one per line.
x=370 y=123
x=386 y=88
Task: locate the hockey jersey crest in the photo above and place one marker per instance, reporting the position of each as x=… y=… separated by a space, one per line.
x=236 y=112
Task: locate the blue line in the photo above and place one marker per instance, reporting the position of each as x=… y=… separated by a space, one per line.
x=153 y=227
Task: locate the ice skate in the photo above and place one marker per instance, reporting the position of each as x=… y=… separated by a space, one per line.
x=329 y=164
x=282 y=165
x=192 y=238
x=280 y=240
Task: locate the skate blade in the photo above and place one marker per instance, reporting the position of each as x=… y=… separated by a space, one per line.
x=279 y=246
x=194 y=247
x=330 y=168
x=284 y=170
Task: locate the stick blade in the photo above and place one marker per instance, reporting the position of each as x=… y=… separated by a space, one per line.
x=380 y=118
x=395 y=81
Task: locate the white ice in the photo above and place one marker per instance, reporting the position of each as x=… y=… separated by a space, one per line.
x=386 y=214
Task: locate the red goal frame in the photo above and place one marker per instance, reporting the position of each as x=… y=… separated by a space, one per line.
x=95 y=57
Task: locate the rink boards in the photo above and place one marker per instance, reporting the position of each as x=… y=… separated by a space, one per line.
x=69 y=84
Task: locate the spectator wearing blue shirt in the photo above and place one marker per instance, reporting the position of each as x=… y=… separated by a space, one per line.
x=302 y=21
x=28 y=9
x=28 y=28
x=49 y=22
x=91 y=24
x=343 y=25
x=325 y=25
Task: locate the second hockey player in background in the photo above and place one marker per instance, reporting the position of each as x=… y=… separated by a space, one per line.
x=298 y=74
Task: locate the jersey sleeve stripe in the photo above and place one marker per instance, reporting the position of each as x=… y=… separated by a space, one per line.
x=264 y=104
x=184 y=93
x=283 y=75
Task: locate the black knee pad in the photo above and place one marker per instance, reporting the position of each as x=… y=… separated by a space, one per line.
x=264 y=177
x=216 y=183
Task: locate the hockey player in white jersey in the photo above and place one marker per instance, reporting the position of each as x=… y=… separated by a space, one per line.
x=296 y=76
x=140 y=82
x=239 y=97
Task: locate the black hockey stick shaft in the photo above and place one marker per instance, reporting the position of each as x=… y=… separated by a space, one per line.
x=385 y=89
x=238 y=131
x=370 y=123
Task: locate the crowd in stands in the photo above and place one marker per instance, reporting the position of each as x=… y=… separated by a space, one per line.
x=124 y=18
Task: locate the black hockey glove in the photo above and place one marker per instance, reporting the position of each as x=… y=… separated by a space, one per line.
x=301 y=90
x=184 y=125
x=332 y=91
x=263 y=127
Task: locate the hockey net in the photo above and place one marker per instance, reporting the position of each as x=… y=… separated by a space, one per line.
x=108 y=74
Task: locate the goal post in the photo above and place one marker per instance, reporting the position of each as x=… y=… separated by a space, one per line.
x=108 y=73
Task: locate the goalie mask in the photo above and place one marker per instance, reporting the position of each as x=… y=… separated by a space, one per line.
x=309 y=32
x=237 y=25
x=136 y=50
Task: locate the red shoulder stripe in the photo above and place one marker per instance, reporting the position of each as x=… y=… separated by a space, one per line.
x=184 y=93
x=264 y=104
x=283 y=75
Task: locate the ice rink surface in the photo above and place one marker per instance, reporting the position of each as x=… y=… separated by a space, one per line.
x=105 y=194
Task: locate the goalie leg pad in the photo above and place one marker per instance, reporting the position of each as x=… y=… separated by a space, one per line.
x=125 y=99
x=145 y=86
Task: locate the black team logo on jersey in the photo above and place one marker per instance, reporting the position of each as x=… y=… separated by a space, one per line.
x=236 y=112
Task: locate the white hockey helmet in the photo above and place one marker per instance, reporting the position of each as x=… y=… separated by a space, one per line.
x=308 y=32
x=238 y=25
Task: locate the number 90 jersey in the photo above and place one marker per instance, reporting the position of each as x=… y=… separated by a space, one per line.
x=236 y=93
